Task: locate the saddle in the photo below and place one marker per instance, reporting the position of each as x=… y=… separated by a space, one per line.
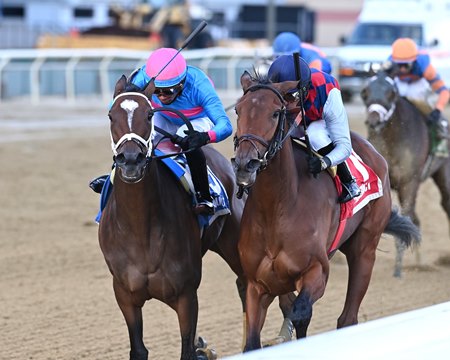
x=178 y=167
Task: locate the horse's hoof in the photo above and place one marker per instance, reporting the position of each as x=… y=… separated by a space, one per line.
x=206 y=354
x=201 y=343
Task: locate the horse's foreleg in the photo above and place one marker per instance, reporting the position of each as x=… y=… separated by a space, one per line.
x=311 y=287
x=186 y=308
x=133 y=317
x=241 y=285
x=257 y=302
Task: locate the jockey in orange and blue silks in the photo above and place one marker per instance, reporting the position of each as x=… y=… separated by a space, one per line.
x=415 y=76
x=325 y=115
x=286 y=43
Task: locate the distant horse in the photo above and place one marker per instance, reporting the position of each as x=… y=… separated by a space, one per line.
x=150 y=238
x=399 y=131
x=290 y=218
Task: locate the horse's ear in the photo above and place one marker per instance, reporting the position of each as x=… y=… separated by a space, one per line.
x=246 y=80
x=149 y=88
x=121 y=84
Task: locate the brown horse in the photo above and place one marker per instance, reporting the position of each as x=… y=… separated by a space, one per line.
x=150 y=238
x=290 y=218
x=399 y=131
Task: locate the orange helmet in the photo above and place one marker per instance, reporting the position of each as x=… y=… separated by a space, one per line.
x=404 y=50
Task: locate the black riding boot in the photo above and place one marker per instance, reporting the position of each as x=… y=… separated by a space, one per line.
x=98 y=183
x=350 y=188
x=197 y=163
x=441 y=127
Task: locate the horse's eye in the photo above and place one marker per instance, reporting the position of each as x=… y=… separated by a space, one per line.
x=392 y=96
x=276 y=114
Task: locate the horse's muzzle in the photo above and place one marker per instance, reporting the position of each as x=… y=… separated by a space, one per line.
x=132 y=166
x=245 y=171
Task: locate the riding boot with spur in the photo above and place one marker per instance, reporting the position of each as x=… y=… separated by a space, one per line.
x=197 y=163
x=441 y=149
x=98 y=183
x=350 y=188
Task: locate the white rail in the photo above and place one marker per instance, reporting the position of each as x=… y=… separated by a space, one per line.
x=414 y=335
x=39 y=73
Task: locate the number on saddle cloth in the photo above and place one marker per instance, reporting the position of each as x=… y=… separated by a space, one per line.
x=179 y=168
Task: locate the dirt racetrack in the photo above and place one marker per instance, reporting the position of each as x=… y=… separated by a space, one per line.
x=56 y=297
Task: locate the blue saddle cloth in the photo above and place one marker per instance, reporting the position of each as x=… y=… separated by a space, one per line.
x=178 y=166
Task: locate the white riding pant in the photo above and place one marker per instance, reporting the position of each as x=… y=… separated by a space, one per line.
x=419 y=90
x=318 y=135
x=200 y=124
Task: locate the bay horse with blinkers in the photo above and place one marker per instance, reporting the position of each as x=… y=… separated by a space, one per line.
x=399 y=131
x=148 y=233
x=290 y=218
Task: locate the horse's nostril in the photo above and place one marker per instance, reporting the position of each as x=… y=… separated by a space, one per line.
x=253 y=165
x=234 y=164
x=120 y=159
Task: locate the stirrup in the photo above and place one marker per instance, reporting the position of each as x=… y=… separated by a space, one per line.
x=204 y=207
x=98 y=183
x=350 y=190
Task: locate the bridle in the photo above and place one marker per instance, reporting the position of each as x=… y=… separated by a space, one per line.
x=276 y=143
x=131 y=136
x=147 y=144
x=384 y=114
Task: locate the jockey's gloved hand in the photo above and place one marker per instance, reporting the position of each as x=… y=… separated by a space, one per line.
x=196 y=139
x=434 y=116
x=316 y=164
x=180 y=141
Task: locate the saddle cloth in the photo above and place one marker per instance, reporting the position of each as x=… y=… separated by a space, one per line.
x=371 y=189
x=368 y=182
x=179 y=168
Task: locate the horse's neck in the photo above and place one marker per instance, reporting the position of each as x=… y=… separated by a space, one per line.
x=279 y=181
x=408 y=120
x=139 y=200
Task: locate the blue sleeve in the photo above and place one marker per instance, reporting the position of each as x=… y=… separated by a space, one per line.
x=140 y=78
x=213 y=107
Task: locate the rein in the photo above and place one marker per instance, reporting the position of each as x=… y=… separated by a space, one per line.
x=276 y=143
x=147 y=143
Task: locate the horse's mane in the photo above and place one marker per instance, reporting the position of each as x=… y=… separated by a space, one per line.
x=260 y=78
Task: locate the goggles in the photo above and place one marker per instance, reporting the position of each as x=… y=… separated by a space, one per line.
x=407 y=66
x=168 y=91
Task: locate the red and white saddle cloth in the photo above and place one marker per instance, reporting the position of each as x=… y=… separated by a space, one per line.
x=371 y=189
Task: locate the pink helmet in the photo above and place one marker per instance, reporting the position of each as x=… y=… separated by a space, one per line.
x=173 y=74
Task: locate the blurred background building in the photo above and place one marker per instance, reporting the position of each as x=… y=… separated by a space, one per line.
x=150 y=23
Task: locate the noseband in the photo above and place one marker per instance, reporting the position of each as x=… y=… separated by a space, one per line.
x=275 y=144
x=383 y=113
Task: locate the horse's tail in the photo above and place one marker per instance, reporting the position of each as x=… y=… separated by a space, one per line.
x=402 y=228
